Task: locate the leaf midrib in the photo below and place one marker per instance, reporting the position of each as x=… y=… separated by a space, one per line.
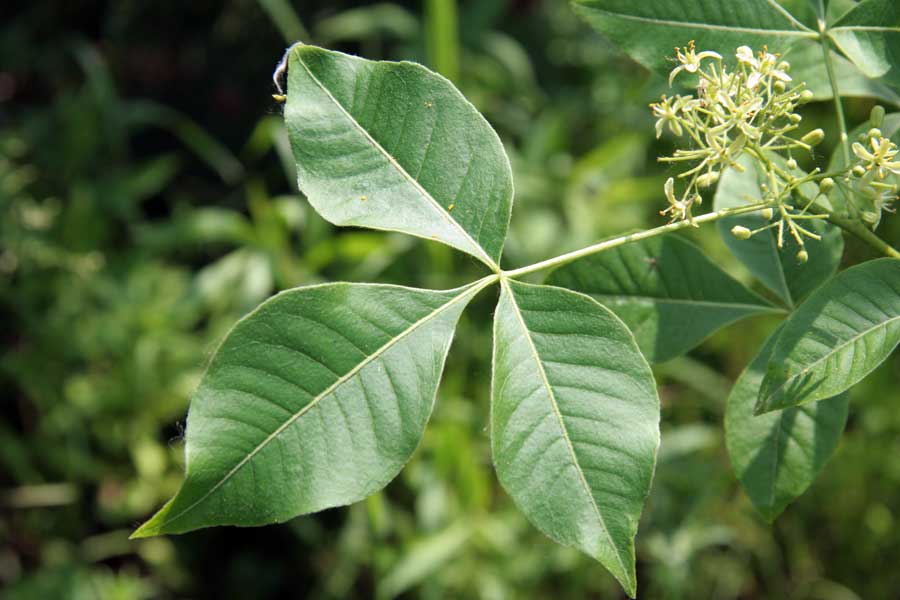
x=472 y=289
x=875 y=28
x=403 y=172
x=562 y=427
x=682 y=301
x=710 y=26
x=815 y=363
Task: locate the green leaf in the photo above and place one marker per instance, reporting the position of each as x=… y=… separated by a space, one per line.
x=777 y=456
x=808 y=67
x=665 y=289
x=838 y=336
x=870 y=36
x=649 y=30
x=776 y=268
x=394 y=146
x=574 y=421
x=316 y=399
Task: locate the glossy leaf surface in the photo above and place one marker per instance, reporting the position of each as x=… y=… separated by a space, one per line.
x=777 y=456
x=574 y=421
x=808 y=66
x=665 y=289
x=316 y=399
x=394 y=146
x=649 y=30
x=838 y=336
x=869 y=35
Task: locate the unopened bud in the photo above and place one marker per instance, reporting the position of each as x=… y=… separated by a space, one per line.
x=784 y=66
x=806 y=96
x=876 y=117
x=791 y=164
x=707 y=179
x=859 y=171
x=826 y=185
x=870 y=217
x=874 y=133
x=814 y=137
x=767 y=214
x=802 y=256
x=741 y=232
x=795 y=118
x=779 y=86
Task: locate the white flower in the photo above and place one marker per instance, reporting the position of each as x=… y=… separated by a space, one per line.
x=769 y=67
x=745 y=56
x=690 y=60
x=881 y=159
x=762 y=65
x=679 y=210
x=667 y=113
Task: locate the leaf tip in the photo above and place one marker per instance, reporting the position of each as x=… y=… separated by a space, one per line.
x=154 y=526
x=769 y=512
x=148 y=529
x=764 y=405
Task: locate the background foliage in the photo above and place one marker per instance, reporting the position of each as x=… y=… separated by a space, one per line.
x=147 y=200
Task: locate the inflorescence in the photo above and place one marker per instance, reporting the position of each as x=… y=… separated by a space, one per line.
x=751 y=111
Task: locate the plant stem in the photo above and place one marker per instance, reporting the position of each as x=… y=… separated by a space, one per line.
x=832 y=79
x=442 y=37
x=634 y=237
x=863 y=233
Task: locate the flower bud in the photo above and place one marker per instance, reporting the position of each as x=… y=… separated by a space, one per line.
x=802 y=256
x=779 y=86
x=876 y=117
x=784 y=66
x=794 y=118
x=826 y=185
x=814 y=137
x=874 y=133
x=741 y=233
x=859 y=170
x=767 y=214
x=870 y=217
x=805 y=97
x=707 y=179
x=791 y=164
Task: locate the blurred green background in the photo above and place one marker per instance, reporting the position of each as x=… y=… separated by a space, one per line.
x=147 y=201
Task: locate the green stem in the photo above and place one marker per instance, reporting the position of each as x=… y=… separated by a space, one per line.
x=863 y=233
x=442 y=37
x=832 y=79
x=634 y=237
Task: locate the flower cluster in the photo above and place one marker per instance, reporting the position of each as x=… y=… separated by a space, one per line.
x=870 y=177
x=748 y=109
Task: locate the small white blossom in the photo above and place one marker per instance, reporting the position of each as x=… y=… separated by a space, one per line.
x=679 y=210
x=666 y=113
x=690 y=60
x=881 y=158
x=745 y=56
